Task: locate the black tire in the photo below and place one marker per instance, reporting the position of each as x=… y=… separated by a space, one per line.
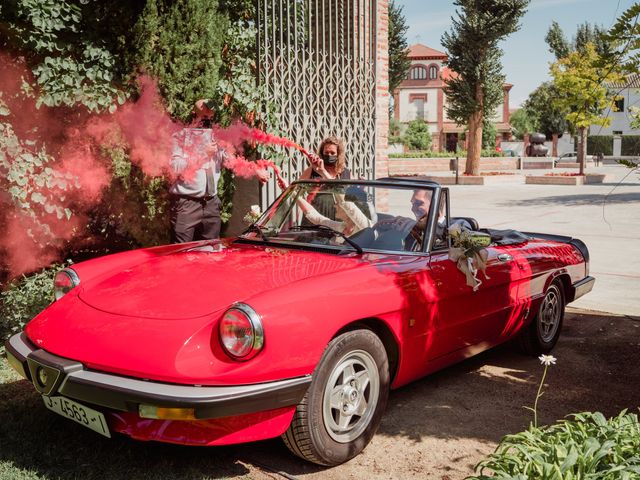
x=349 y=361
x=542 y=334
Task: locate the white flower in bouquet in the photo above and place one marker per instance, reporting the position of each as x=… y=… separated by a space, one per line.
x=253 y=214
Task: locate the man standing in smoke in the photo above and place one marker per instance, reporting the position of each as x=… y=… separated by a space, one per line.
x=197 y=160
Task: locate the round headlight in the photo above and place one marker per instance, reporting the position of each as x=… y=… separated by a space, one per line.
x=241 y=332
x=64 y=282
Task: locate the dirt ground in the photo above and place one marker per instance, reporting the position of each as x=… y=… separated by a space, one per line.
x=436 y=428
x=441 y=426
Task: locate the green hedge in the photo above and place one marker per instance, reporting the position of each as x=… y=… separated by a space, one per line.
x=630 y=145
x=430 y=154
x=24 y=298
x=600 y=143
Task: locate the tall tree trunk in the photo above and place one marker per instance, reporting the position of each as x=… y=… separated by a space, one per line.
x=554 y=144
x=474 y=139
x=475 y=134
x=582 y=149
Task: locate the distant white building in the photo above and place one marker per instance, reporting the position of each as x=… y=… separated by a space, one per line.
x=621 y=119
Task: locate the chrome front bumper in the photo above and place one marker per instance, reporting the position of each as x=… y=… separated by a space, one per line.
x=53 y=375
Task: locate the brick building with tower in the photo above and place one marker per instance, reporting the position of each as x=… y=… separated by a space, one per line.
x=421 y=96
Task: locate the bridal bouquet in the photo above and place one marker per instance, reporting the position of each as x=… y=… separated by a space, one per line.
x=253 y=214
x=469 y=252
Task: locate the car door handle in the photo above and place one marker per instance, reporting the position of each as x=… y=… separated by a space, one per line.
x=505 y=257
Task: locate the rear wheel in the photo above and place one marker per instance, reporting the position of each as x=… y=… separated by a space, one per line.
x=343 y=407
x=543 y=332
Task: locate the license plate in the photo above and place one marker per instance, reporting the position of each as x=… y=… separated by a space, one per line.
x=86 y=416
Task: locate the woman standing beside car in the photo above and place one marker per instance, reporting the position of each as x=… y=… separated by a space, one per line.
x=330 y=162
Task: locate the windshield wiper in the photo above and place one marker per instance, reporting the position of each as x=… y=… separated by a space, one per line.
x=257 y=228
x=324 y=228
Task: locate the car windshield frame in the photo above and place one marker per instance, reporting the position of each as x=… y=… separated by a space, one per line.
x=439 y=194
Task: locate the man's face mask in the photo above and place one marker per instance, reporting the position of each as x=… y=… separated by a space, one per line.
x=330 y=159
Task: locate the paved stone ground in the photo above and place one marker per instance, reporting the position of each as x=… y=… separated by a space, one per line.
x=605 y=216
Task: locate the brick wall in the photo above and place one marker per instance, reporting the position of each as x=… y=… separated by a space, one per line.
x=421 y=166
x=382 y=89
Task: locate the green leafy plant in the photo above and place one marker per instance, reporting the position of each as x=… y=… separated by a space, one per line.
x=630 y=145
x=417 y=136
x=24 y=298
x=489 y=133
x=70 y=67
x=587 y=446
x=34 y=188
x=600 y=144
x=522 y=122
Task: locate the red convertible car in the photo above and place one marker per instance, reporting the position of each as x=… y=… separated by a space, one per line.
x=339 y=292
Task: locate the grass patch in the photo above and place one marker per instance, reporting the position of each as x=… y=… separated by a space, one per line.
x=36 y=444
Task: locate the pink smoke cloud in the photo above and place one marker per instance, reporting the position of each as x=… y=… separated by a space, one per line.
x=79 y=172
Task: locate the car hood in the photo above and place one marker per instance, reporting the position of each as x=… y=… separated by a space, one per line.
x=197 y=282
x=155 y=319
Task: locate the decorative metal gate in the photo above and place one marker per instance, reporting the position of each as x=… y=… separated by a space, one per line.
x=316 y=61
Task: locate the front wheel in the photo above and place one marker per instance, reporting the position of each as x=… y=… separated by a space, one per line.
x=343 y=407
x=543 y=332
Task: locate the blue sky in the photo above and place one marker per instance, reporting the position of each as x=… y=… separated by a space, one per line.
x=526 y=55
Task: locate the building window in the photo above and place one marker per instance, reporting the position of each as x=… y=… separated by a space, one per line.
x=418 y=73
x=433 y=72
x=620 y=105
x=418 y=100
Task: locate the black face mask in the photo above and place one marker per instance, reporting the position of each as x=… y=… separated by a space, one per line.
x=330 y=159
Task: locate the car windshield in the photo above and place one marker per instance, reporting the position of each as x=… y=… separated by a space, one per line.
x=347 y=215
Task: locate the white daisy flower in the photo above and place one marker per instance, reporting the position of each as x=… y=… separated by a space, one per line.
x=547 y=360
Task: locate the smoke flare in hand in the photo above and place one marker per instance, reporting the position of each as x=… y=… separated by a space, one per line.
x=249 y=134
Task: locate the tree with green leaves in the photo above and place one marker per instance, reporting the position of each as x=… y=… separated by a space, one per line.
x=75 y=59
x=82 y=61
x=489 y=134
x=546 y=117
x=417 y=136
x=399 y=62
x=557 y=41
x=180 y=44
x=586 y=33
x=624 y=35
x=522 y=122
x=580 y=82
x=552 y=121
x=473 y=53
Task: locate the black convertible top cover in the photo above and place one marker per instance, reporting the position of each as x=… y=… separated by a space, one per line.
x=506 y=237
